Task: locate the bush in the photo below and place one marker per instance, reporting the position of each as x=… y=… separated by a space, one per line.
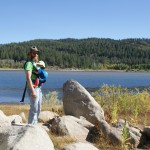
x=128 y=104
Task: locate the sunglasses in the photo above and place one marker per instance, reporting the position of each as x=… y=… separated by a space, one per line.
x=35 y=52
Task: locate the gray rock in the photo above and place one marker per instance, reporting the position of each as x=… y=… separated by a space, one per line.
x=133 y=139
x=82 y=121
x=45 y=116
x=135 y=131
x=113 y=134
x=104 y=127
x=134 y=134
x=27 y=137
x=80 y=146
x=77 y=102
x=22 y=115
x=15 y=119
x=4 y=120
x=120 y=124
x=68 y=126
x=4 y=134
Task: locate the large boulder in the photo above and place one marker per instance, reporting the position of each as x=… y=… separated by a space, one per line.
x=77 y=102
x=29 y=137
x=67 y=125
x=80 y=146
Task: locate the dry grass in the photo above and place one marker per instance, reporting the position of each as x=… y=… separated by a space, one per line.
x=60 y=141
x=104 y=144
x=12 y=109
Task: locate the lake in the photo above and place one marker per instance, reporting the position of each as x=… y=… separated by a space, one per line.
x=12 y=82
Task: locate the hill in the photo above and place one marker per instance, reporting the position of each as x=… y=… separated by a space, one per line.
x=90 y=53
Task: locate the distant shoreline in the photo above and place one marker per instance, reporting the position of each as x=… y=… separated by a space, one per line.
x=11 y=69
x=69 y=69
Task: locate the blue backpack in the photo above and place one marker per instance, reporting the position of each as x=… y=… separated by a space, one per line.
x=43 y=75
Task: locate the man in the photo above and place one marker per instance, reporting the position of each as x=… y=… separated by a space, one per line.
x=35 y=93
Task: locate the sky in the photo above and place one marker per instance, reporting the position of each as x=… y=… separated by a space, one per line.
x=25 y=20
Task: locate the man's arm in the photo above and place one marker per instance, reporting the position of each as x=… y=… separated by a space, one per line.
x=29 y=81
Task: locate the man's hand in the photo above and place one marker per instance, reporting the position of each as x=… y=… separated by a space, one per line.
x=33 y=95
x=29 y=81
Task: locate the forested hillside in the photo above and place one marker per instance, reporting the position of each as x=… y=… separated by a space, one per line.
x=92 y=53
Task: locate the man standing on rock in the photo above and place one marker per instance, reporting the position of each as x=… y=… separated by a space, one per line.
x=35 y=93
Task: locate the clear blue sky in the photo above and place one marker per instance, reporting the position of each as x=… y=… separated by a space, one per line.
x=24 y=20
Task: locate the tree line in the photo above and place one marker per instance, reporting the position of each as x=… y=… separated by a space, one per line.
x=90 y=53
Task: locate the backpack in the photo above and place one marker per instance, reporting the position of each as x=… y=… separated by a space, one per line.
x=42 y=73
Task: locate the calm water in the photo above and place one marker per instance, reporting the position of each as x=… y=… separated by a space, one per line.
x=12 y=82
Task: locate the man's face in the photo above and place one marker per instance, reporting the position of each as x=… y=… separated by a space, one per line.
x=34 y=55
